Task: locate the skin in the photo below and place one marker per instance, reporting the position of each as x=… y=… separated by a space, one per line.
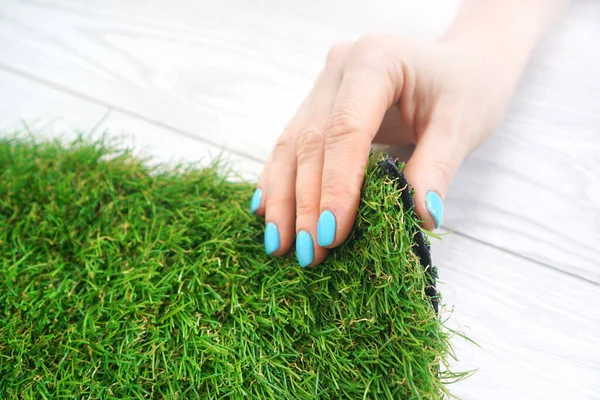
x=446 y=97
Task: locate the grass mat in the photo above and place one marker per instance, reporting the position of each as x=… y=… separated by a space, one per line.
x=121 y=280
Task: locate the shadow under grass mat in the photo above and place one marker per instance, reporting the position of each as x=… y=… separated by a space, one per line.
x=123 y=280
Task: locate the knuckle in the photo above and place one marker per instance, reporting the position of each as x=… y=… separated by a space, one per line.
x=369 y=44
x=335 y=189
x=372 y=52
x=276 y=202
x=305 y=207
x=370 y=41
x=337 y=52
x=310 y=143
x=284 y=142
x=341 y=184
x=343 y=125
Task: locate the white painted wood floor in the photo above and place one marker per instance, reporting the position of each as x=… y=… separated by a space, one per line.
x=185 y=80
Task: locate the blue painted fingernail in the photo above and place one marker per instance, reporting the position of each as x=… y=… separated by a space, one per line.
x=304 y=248
x=255 y=202
x=326 y=228
x=271 y=238
x=434 y=204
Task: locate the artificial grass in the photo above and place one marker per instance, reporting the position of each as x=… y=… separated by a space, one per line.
x=121 y=280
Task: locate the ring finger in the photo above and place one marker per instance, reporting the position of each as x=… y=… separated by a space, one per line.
x=294 y=176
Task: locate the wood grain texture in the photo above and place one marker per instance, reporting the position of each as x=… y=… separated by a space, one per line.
x=171 y=148
x=225 y=71
x=537 y=327
x=533 y=188
x=28 y=106
x=232 y=73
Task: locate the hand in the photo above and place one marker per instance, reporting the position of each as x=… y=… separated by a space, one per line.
x=446 y=97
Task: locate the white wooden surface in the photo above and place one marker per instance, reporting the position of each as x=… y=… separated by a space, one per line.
x=185 y=80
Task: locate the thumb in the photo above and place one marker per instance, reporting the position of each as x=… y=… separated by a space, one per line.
x=434 y=162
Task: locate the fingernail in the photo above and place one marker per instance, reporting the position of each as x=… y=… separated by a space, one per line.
x=255 y=202
x=434 y=204
x=271 y=238
x=304 y=248
x=326 y=228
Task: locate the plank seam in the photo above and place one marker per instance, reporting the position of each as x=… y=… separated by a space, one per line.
x=85 y=97
x=110 y=107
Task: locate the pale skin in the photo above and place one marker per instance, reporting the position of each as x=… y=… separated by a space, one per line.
x=446 y=97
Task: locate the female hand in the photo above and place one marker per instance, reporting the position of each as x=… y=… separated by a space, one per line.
x=446 y=97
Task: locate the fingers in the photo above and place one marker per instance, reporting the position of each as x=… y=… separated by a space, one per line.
x=280 y=196
x=257 y=203
x=310 y=149
x=367 y=90
x=310 y=153
x=280 y=181
x=293 y=183
x=439 y=153
x=312 y=182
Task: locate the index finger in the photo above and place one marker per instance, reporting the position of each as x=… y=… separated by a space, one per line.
x=365 y=94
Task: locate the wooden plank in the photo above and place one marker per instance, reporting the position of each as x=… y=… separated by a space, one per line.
x=533 y=188
x=171 y=148
x=233 y=74
x=28 y=106
x=198 y=67
x=537 y=328
x=229 y=77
